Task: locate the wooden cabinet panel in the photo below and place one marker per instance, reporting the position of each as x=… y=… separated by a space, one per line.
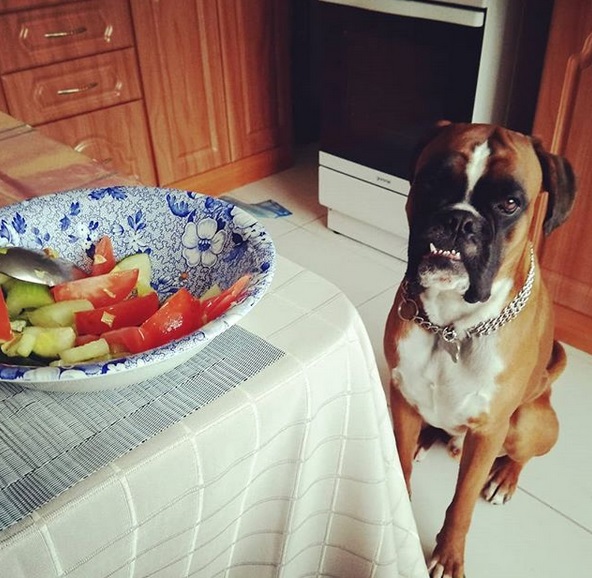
x=178 y=47
x=3 y=104
x=105 y=136
x=48 y=35
x=564 y=122
x=6 y=5
x=56 y=91
x=254 y=47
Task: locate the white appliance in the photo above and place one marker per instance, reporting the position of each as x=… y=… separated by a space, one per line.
x=390 y=69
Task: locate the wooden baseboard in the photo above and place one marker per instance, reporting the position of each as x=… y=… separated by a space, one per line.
x=573 y=328
x=239 y=173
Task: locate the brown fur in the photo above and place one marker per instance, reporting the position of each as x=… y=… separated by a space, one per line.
x=521 y=423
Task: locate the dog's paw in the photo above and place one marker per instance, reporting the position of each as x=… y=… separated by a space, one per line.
x=441 y=566
x=502 y=481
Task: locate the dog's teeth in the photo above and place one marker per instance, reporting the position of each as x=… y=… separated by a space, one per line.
x=450 y=254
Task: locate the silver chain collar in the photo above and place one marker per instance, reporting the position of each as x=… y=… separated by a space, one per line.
x=449 y=334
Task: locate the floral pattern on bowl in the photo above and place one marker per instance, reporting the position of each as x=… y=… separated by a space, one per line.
x=193 y=240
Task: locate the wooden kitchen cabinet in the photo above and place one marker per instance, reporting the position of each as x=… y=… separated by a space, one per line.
x=564 y=122
x=184 y=93
x=74 y=87
x=215 y=76
x=105 y=135
x=3 y=105
x=70 y=70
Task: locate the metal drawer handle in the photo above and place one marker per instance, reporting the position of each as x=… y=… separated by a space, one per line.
x=66 y=33
x=77 y=90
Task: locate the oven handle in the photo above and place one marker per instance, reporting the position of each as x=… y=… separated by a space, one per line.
x=412 y=9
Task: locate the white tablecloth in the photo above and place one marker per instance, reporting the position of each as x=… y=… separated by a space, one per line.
x=292 y=473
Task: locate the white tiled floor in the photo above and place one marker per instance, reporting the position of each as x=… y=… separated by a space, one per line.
x=546 y=530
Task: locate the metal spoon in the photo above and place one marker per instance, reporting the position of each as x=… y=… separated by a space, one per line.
x=37 y=267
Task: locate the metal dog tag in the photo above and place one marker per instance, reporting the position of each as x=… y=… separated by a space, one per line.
x=452 y=347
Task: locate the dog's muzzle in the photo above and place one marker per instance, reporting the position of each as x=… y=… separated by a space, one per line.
x=453 y=252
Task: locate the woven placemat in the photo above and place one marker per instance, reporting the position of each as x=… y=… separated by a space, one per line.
x=51 y=441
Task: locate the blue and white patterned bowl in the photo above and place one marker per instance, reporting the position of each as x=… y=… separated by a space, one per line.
x=193 y=241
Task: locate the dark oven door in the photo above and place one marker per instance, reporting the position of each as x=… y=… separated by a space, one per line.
x=387 y=77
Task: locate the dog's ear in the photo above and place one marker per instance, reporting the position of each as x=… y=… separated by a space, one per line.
x=560 y=182
x=427 y=137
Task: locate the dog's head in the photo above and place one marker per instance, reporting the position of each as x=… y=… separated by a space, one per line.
x=471 y=202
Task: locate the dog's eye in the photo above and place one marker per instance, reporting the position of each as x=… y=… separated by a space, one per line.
x=509 y=205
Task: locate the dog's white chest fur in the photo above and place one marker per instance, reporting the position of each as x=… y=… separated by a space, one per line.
x=447 y=394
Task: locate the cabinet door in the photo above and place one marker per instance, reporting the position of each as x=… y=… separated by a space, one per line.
x=104 y=136
x=178 y=46
x=256 y=68
x=564 y=122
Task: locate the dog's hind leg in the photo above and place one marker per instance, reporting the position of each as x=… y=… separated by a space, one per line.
x=430 y=435
x=534 y=429
x=533 y=432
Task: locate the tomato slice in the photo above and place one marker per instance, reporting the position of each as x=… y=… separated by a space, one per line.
x=5 y=329
x=127 y=340
x=126 y=313
x=215 y=306
x=104 y=258
x=176 y=318
x=100 y=290
x=84 y=339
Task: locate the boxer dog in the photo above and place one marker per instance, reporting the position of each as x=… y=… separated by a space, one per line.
x=469 y=338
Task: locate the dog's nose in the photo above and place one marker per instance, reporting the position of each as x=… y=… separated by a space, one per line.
x=461 y=222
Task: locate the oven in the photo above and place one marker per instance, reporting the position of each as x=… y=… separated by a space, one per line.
x=389 y=70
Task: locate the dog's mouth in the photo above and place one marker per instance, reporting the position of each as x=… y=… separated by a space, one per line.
x=450 y=254
x=443 y=269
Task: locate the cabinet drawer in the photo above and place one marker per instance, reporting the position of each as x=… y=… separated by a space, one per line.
x=60 y=90
x=117 y=137
x=48 y=35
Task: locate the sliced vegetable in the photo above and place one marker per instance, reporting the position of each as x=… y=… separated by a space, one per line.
x=140 y=261
x=214 y=306
x=176 y=318
x=93 y=350
x=6 y=333
x=24 y=295
x=127 y=340
x=59 y=314
x=100 y=290
x=114 y=311
x=49 y=341
x=126 y=313
x=104 y=258
x=83 y=339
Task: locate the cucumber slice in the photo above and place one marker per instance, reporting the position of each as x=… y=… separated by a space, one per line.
x=24 y=295
x=213 y=291
x=140 y=261
x=10 y=348
x=50 y=341
x=60 y=314
x=91 y=350
x=25 y=344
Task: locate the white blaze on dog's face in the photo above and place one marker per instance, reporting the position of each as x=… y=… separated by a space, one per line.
x=469 y=204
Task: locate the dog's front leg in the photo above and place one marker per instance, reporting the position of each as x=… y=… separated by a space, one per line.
x=407 y=425
x=479 y=452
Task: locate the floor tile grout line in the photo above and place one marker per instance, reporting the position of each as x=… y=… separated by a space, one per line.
x=556 y=510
